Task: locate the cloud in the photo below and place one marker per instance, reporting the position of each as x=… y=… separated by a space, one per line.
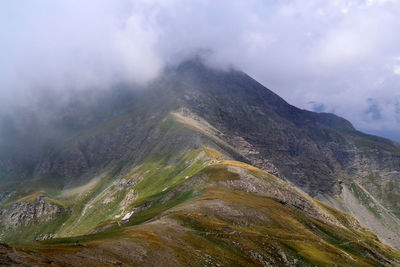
x=336 y=56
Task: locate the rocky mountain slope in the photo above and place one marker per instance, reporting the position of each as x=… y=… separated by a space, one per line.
x=202 y=162
x=212 y=212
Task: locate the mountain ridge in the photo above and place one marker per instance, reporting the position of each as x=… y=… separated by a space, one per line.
x=129 y=166
x=224 y=222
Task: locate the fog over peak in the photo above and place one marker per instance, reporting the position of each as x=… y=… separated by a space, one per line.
x=331 y=56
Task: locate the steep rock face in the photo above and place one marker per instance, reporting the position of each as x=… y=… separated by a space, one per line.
x=309 y=149
x=315 y=151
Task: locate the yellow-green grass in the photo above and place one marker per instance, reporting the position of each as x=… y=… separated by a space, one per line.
x=175 y=217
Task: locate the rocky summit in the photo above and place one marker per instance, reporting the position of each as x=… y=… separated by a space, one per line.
x=201 y=167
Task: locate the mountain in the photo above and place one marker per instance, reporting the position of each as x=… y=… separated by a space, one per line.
x=203 y=167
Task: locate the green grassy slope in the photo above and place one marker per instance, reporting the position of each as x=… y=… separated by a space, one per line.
x=189 y=204
x=209 y=219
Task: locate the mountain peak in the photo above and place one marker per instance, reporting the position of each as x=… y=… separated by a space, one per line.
x=201 y=134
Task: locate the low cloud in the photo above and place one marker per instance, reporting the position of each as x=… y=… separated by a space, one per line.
x=332 y=56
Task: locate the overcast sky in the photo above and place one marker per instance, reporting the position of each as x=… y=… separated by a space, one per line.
x=340 y=56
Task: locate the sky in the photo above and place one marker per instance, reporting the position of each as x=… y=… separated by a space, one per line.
x=339 y=56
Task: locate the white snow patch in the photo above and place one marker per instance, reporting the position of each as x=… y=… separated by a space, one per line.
x=127 y=216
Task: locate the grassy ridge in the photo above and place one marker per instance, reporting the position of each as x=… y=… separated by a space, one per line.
x=226 y=226
x=195 y=207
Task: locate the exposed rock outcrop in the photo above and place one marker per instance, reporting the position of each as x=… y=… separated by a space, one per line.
x=39 y=210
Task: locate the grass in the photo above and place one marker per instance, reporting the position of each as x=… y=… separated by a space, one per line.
x=158 y=177
x=50 y=184
x=78 y=224
x=178 y=183
x=342 y=217
x=287 y=228
x=155 y=176
x=165 y=168
x=242 y=229
x=220 y=173
x=365 y=199
x=385 y=191
x=159 y=208
x=212 y=153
